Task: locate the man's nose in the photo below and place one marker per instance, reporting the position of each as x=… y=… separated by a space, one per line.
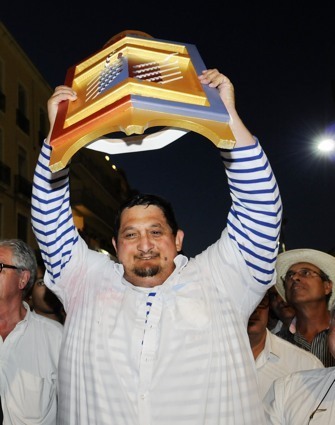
x=295 y=275
x=145 y=243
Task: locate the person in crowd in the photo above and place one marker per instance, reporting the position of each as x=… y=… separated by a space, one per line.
x=274 y=356
x=41 y=299
x=29 y=343
x=305 y=397
x=157 y=338
x=305 y=279
x=281 y=313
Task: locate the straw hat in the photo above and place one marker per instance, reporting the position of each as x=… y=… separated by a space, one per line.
x=323 y=261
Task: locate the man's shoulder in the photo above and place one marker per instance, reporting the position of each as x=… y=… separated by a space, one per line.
x=44 y=323
x=281 y=346
x=308 y=376
x=277 y=340
x=301 y=384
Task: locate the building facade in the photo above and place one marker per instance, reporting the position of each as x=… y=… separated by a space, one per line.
x=97 y=187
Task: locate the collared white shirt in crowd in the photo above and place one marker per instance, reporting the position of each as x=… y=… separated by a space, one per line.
x=293 y=399
x=279 y=358
x=28 y=371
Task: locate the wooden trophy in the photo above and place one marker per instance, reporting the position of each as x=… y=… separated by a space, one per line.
x=133 y=84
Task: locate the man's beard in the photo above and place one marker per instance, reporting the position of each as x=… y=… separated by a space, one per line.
x=146 y=271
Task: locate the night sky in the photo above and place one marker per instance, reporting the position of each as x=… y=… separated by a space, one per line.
x=281 y=60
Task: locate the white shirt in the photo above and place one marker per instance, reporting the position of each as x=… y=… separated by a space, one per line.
x=28 y=371
x=279 y=358
x=292 y=399
x=188 y=362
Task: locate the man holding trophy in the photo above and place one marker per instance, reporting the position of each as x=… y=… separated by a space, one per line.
x=156 y=338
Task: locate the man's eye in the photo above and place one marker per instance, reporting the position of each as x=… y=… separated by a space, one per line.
x=156 y=232
x=305 y=273
x=130 y=235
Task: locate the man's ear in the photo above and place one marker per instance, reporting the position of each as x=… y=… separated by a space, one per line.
x=328 y=286
x=179 y=240
x=114 y=244
x=24 y=278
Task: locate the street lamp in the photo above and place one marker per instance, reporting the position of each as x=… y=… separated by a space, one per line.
x=326 y=145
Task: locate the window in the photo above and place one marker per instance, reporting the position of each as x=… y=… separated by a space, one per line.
x=22 y=227
x=22 y=100
x=2 y=95
x=43 y=126
x=22 y=163
x=1 y=144
x=1 y=75
x=21 y=112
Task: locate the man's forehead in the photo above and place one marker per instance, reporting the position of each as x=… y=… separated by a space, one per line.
x=142 y=210
x=140 y=214
x=5 y=252
x=303 y=264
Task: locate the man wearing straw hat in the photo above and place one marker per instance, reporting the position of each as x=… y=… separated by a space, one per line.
x=305 y=279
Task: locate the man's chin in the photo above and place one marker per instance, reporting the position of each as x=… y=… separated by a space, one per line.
x=146 y=271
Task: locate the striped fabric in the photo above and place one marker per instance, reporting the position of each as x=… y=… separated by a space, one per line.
x=253 y=219
x=187 y=362
x=148 y=305
x=319 y=345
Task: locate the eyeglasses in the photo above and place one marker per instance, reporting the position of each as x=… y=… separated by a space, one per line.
x=8 y=266
x=307 y=273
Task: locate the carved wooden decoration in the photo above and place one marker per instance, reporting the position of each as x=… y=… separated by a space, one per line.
x=133 y=84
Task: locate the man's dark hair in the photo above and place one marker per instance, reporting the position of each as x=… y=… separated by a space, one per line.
x=147 y=199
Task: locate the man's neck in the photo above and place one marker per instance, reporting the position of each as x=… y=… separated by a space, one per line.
x=257 y=343
x=10 y=315
x=309 y=322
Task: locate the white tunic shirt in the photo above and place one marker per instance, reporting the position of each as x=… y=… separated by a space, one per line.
x=189 y=361
x=302 y=398
x=279 y=358
x=28 y=371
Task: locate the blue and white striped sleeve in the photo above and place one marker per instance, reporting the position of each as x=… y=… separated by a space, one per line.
x=51 y=215
x=254 y=219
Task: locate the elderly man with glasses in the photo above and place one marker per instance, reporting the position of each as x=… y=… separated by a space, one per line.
x=29 y=343
x=305 y=279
